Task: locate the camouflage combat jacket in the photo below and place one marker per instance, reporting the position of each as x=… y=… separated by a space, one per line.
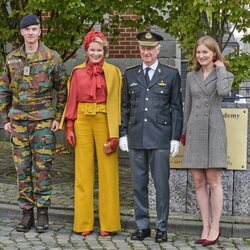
x=27 y=84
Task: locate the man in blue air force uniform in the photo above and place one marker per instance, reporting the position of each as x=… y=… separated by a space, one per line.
x=150 y=130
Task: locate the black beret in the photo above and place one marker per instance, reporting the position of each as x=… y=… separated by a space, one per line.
x=148 y=38
x=28 y=20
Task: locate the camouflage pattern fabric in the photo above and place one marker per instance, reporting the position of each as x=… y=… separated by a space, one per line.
x=27 y=84
x=26 y=100
x=33 y=145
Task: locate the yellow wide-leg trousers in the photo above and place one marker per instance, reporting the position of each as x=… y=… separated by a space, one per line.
x=91 y=132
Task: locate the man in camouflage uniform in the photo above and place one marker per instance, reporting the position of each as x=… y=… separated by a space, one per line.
x=30 y=76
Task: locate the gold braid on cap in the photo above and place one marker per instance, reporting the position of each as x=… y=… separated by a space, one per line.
x=148 y=43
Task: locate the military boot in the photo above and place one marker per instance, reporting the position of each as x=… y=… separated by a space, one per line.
x=27 y=221
x=42 y=224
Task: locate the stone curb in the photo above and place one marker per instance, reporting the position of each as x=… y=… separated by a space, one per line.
x=231 y=226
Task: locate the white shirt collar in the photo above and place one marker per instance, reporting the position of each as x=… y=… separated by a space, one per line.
x=153 y=66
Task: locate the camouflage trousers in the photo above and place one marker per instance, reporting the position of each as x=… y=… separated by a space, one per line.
x=33 y=145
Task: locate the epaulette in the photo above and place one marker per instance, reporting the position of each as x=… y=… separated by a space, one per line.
x=134 y=66
x=170 y=66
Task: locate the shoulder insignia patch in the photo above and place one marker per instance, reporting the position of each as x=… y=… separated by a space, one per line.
x=14 y=61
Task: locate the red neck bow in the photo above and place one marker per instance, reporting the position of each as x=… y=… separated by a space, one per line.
x=94 y=68
x=95 y=72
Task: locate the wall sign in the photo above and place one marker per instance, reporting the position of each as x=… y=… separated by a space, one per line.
x=237 y=125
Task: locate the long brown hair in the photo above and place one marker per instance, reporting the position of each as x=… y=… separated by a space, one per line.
x=212 y=45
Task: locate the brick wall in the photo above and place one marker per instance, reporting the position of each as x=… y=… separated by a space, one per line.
x=44 y=16
x=127 y=45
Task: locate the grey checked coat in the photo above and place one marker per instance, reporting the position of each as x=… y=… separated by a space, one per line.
x=206 y=141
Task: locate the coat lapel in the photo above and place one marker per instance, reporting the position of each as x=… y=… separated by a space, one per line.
x=108 y=76
x=200 y=81
x=210 y=82
x=140 y=77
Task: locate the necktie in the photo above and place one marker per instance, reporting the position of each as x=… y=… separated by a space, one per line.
x=147 y=79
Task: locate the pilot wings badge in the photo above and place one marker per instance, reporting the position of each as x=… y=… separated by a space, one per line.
x=133 y=84
x=161 y=83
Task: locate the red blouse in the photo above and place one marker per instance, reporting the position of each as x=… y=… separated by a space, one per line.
x=86 y=85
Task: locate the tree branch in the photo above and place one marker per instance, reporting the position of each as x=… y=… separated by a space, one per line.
x=215 y=27
x=51 y=17
x=229 y=37
x=205 y=18
x=66 y=55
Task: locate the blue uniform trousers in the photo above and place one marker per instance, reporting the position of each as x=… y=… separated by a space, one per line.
x=157 y=160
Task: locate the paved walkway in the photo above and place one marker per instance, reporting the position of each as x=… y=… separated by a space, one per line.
x=60 y=235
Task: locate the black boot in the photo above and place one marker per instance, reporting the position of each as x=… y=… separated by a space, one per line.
x=27 y=221
x=42 y=224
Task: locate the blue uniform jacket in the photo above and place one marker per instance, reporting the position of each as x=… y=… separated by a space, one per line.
x=151 y=115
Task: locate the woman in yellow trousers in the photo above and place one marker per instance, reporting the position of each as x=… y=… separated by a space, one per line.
x=92 y=117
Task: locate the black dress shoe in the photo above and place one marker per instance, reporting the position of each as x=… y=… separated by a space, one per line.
x=140 y=234
x=161 y=236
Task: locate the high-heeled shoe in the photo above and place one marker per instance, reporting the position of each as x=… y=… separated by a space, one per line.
x=105 y=233
x=200 y=241
x=211 y=242
x=85 y=233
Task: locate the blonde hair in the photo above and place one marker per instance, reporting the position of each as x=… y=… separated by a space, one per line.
x=105 y=45
x=212 y=45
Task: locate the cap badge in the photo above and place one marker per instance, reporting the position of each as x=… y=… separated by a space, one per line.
x=148 y=36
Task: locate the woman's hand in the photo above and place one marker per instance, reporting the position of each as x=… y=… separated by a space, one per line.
x=218 y=63
x=111 y=145
x=70 y=137
x=183 y=138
